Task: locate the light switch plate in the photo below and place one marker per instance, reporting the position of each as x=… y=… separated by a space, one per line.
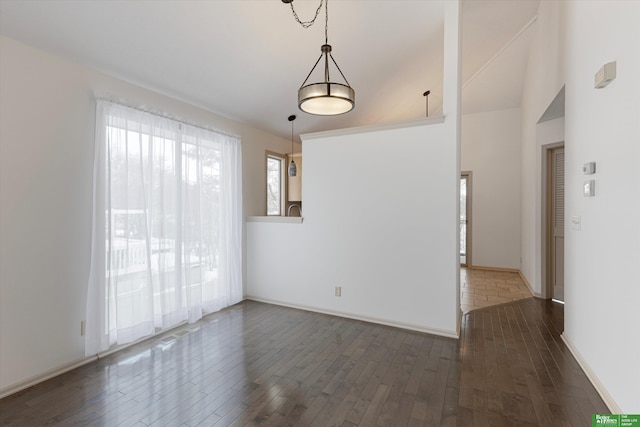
x=589 y=188
x=589 y=168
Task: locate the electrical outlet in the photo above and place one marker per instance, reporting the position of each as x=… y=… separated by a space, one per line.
x=576 y=223
x=83 y=328
x=338 y=291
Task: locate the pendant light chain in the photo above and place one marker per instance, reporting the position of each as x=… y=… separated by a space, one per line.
x=306 y=24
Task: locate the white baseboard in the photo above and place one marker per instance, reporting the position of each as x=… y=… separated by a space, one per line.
x=526 y=282
x=29 y=382
x=602 y=391
x=417 y=328
x=487 y=268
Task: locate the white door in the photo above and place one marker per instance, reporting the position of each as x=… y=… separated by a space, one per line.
x=557 y=223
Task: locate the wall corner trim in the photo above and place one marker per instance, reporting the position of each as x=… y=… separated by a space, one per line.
x=593 y=378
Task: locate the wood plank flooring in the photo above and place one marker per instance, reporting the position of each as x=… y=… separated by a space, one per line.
x=480 y=288
x=256 y=364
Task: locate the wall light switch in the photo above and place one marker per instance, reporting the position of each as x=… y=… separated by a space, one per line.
x=589 y=168
x=589 y=188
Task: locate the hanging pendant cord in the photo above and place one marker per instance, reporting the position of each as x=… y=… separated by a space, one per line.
x=292 y=140
x=327 y=54
x=326 y=23
x=291 y=118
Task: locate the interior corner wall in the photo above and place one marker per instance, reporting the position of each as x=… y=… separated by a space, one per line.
x=491 y=151
x=47 y=115
x=601 y=125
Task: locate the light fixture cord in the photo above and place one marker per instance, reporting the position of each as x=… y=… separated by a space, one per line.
x=326 y=23
x=327 y=78
x=426 y=95
x=292 y=140
x=306 y=24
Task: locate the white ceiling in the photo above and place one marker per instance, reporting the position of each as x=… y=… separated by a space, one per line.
x=245 y=59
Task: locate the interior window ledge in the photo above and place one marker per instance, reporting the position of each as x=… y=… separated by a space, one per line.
x=276 y=219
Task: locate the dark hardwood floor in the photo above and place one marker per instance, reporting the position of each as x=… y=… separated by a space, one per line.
x=259 y=364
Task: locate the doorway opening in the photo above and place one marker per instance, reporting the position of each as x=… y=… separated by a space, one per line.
x=465 y=219
x=555 y=222
x=550 y=137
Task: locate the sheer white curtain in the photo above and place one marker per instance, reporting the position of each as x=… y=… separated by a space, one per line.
x=167 y=221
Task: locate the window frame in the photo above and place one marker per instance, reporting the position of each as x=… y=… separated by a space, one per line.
x=271 y=155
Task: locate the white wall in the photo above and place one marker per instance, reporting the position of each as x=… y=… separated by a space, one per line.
x=491 y=151
x=379 y=220
x=47 y=115
x=602 y=289
x=602 y=283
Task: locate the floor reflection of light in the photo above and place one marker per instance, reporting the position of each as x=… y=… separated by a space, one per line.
x=274 y=391
x=166 y=345
x=163 y=345
x=135 y=358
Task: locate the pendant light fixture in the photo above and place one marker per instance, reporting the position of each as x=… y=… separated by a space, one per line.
x=293 y=171
x=325 y=98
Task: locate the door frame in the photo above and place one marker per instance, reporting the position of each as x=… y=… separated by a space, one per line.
x=469 y=176
x=547 y=221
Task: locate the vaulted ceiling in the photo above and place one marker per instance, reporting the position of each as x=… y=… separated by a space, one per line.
x=246 y=59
